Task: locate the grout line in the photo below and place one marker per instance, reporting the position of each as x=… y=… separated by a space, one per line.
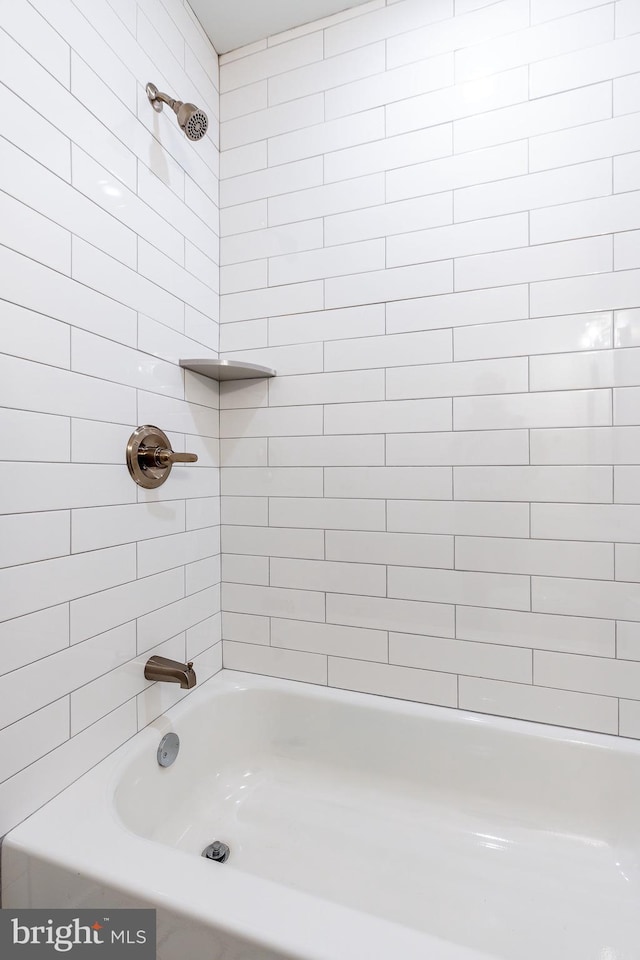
x=533 y=664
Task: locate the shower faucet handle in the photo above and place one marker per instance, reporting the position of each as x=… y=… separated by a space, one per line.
x=150 y=457
x=164 y=455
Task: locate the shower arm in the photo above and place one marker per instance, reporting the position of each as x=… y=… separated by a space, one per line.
x=173 y=103
x=157 y=99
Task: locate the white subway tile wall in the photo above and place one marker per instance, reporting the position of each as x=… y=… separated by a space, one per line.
x=437 y=497
x=109 y=274
x=430 y=227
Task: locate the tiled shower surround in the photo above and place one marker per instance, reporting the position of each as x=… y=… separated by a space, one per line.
x=430 y=219
x=108 y=274
x=431 y=228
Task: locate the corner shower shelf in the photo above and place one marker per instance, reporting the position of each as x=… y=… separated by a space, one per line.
x=227 y=369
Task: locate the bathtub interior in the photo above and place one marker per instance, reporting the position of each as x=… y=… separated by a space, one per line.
x=422 y=816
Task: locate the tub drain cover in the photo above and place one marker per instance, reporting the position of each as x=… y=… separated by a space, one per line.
x=217 y=850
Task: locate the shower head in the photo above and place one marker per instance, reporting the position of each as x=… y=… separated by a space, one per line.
x=191 y=119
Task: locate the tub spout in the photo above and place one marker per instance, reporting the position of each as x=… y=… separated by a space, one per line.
x=161 y=668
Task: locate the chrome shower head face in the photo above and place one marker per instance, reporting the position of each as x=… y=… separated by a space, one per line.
x=192 y=120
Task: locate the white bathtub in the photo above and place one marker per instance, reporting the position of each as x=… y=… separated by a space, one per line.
x=360 y=828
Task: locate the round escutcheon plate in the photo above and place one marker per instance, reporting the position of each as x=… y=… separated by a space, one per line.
x=141 y=442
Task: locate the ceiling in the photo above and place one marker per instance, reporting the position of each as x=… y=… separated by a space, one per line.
x=232 y=24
